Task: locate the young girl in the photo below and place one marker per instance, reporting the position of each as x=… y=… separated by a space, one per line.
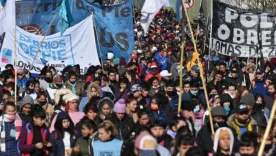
x=10 y=126
x=34 y=136
x=93 y=90
x=157 y=107
x=63 y=137
x=105 y=107
x=49 y=109
x=83 y=144
x=131 y=108
x=223 y=142
x=107 y=144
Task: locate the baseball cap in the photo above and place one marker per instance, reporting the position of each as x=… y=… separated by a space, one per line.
x=234 y=70
x=195 y=68
x=241 y=108
x=259 y=71
x=146 y=145
x=164 y=73
x=135 y=87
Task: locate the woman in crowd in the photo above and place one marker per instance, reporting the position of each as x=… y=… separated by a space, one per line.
x=183 y=143
x=63 y=138
x=49 y=109
x=121 y=120
x=131 y=108
x=71 y=106
x=34 y=136
x=107 y=142
x=73 y=84
x=122 y=91
x=93 y=90
x=10 y=127
x=105 y=107
x=223 y=142
x=88 y=134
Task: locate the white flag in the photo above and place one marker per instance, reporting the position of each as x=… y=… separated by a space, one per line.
x=149 y=10
x=7 y=16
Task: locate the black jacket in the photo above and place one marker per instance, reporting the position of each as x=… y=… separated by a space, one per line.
x=123 y=126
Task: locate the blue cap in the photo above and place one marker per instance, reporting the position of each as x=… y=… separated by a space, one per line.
x=195 y=68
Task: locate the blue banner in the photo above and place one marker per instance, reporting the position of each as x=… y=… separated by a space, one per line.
x=114 y=23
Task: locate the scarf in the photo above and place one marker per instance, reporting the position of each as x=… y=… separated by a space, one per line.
x=73 y=87
x=237 y=126
x=17 y=127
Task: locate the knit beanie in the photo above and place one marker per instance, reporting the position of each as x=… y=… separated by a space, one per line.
x=223 y=133
x=70 y=97
x=120 y=106
x=248 y=99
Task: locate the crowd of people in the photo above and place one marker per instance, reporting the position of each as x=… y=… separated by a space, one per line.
x=130 y=107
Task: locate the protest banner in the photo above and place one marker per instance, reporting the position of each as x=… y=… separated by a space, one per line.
x=243 y=32
x=77 y=45
x=114 y=24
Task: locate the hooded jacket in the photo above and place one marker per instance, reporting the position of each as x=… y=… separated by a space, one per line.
x=26 y=100
x=150 y=75
x=216 y=140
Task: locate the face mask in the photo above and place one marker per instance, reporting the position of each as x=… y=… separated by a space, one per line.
x=219 y=124
x=170 y=93
x=31 y=90
x=271 y=94
x=227 y=109
x=42 y=103
x=248 y=154
x=58 y=85
x=48 y=79
x=267 y=147
x=12 y=93
x=72 y=83
x=193 y=92
x=241 y=121
x=154 y=107
x=258 y=106
x=196 y=109
x=154 y=71
x=9 y=117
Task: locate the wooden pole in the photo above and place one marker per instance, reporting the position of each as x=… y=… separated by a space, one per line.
x=268 y=128
x=200 y=68
x=15 y=69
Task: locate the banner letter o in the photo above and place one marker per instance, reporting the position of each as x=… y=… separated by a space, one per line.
x=223 y=32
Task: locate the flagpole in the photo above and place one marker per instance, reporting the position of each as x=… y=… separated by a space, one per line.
x=200 y=68
x=15 y=59
x=97 y=38
x=211 y=32
x=31 y=66
x=268 y=128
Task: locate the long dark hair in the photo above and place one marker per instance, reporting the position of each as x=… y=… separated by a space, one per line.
x=59 y=128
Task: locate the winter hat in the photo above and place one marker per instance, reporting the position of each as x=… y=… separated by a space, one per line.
x=225 y=98
x=248 y=99
x=60 y=93
x=70 y=97
x=57 y=80
x=120 y=106
x=103 y=101
x=187 y=105
x=110 y=55
x=220 y=132
x=27 y=99
x=146 y=144
x=122 y=61
x=218 y=111
x=116 y=61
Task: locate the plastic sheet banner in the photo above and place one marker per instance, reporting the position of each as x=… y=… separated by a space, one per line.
x=77 y=45
x=243 y=32
x=114 y=24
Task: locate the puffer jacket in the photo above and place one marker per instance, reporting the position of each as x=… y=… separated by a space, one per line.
x=123 y=126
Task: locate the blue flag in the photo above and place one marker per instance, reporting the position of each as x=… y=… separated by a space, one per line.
x=3 y=2
x=179 y=10
x=66 y=16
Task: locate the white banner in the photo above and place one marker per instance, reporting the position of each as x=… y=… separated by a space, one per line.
x=77 y=45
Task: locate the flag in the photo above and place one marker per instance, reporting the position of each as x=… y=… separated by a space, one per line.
x=3 y=2
x=149 y=10
x=66 y=16
x=7 y=16
x=193 y=7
